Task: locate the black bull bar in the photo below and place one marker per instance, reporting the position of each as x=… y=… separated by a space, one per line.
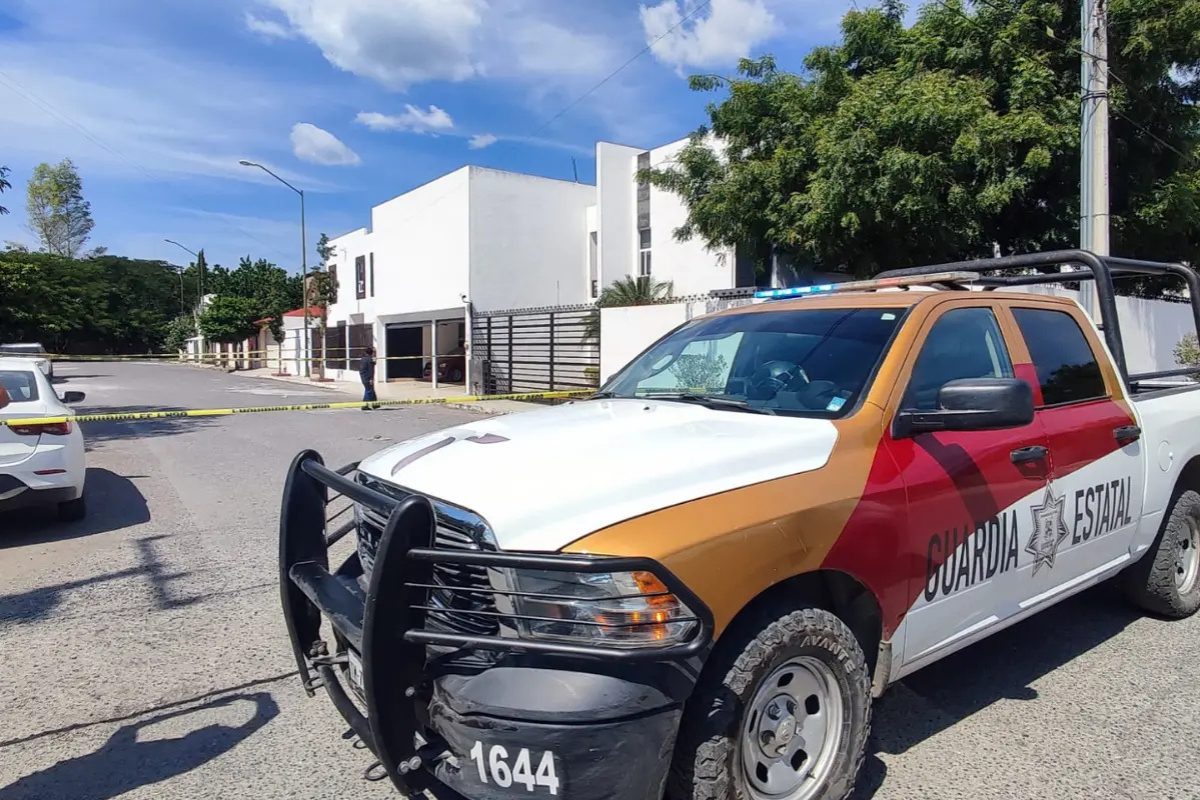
x=385 y=624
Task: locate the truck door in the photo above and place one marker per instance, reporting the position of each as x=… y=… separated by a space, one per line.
x=969 y=492
x=1097 y=474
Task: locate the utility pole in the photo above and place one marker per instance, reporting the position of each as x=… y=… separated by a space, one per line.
x=1093 y=184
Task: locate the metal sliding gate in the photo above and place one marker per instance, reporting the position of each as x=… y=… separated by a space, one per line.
x=536 y=350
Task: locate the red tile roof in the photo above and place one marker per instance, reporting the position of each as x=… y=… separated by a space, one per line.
x=313 y=311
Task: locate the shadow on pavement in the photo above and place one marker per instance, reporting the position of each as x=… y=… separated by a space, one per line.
x=1001 y=667
x=124 y=763
x=38 y=604
x=114 y=502
x=101 y=431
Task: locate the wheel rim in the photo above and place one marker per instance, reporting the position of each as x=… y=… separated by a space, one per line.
x=790 y=731
x=1187 y=559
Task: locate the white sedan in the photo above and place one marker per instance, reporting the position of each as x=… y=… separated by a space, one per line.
x=41 y=463
x=30 y=350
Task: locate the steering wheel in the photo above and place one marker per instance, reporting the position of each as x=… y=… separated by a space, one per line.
x=774 y=377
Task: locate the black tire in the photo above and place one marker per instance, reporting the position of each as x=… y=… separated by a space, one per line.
x=708 y=761
x=72 y=510
x=1151 y=582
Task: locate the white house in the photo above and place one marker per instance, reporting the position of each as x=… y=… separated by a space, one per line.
x=484 y=240
x=631 y=229
x=491 y=238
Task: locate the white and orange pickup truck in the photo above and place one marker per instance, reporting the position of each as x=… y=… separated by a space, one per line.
x=693 y=583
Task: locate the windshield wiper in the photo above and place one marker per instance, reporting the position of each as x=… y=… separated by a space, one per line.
x=708 y=401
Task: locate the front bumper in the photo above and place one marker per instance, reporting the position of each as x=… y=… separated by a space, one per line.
x=534 y=717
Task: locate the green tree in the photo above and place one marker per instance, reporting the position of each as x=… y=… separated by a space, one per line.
x=58 y=214
x=229 y=319
x=179 y=331
x=946 y=139
x=1187 y=353
x=5 y=186
x=627 y=291
x=324 y=249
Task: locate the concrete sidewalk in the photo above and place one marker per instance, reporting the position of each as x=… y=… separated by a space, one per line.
x=402 y=390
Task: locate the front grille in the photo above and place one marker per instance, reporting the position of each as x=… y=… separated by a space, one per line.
x=456 y=529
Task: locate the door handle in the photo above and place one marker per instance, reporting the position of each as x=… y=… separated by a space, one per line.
x=1023 y=455
x=1127 y=433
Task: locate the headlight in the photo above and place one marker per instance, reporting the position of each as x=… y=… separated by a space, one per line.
x=614 y=609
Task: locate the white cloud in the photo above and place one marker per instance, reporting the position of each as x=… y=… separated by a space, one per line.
x=319 y=146
x=394 y=42
x=481 y=140
x=413 y=119
x=267 y=27
x=728 y=32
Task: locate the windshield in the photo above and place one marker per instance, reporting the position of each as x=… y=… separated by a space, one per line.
x=809 y=362
x=22 y=349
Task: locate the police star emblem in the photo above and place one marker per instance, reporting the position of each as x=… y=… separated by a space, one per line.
x=1049 y=531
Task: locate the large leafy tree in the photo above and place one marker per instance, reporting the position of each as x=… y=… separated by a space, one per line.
x=58 y=214
x=229 y=319
x=947 y=139
x=99 y=305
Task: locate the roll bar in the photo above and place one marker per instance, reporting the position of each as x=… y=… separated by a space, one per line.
x=1101 y=269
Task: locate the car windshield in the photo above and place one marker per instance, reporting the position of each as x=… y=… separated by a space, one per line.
x=806 y=362
x=22 y=349
x=21 y=386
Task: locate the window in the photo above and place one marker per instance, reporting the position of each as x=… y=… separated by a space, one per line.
x=595 y=288
x=808 y=363
x=360 y=277
x=21 y=386
x=1066 y=366
x=963 y=343
x=372 y=278
x=333 y=280
x=644 y=264
x=644 y=239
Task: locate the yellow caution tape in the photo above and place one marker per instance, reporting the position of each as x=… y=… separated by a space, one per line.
x=220 y=412
x=269 y=358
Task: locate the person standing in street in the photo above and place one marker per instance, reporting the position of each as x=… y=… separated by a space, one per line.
x=366 y=371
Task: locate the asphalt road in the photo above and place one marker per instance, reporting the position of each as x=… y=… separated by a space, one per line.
x=144 y=654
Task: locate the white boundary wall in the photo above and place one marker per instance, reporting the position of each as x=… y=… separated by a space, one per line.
x=1150 y=328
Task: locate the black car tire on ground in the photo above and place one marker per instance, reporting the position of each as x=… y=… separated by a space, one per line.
x=72 y=510
x=708 y=762
x=1153 y=583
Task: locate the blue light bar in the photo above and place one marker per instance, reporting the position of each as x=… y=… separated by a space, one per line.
x=868 y=285
x=778 y=294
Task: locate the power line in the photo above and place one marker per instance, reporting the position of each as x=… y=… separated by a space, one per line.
x=11 y=84
x=616 y=71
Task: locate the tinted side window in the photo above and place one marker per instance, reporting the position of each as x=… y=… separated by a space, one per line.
x=1066 y=366
x=963 y=343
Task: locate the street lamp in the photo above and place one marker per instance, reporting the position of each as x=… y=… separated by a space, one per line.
x=303 y=258
x=177 y=244
x=199 y=293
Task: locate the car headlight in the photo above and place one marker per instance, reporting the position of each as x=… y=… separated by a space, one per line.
x=613 y=609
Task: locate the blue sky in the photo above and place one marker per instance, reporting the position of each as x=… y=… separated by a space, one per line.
x=355 y=101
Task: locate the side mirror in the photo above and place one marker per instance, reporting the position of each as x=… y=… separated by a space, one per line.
x=73 y=397
x=972 y=404
x=4 y=398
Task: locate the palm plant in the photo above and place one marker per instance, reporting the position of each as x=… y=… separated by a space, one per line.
x=627 y=291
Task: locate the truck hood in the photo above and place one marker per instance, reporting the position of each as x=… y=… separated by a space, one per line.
x=543 y=479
